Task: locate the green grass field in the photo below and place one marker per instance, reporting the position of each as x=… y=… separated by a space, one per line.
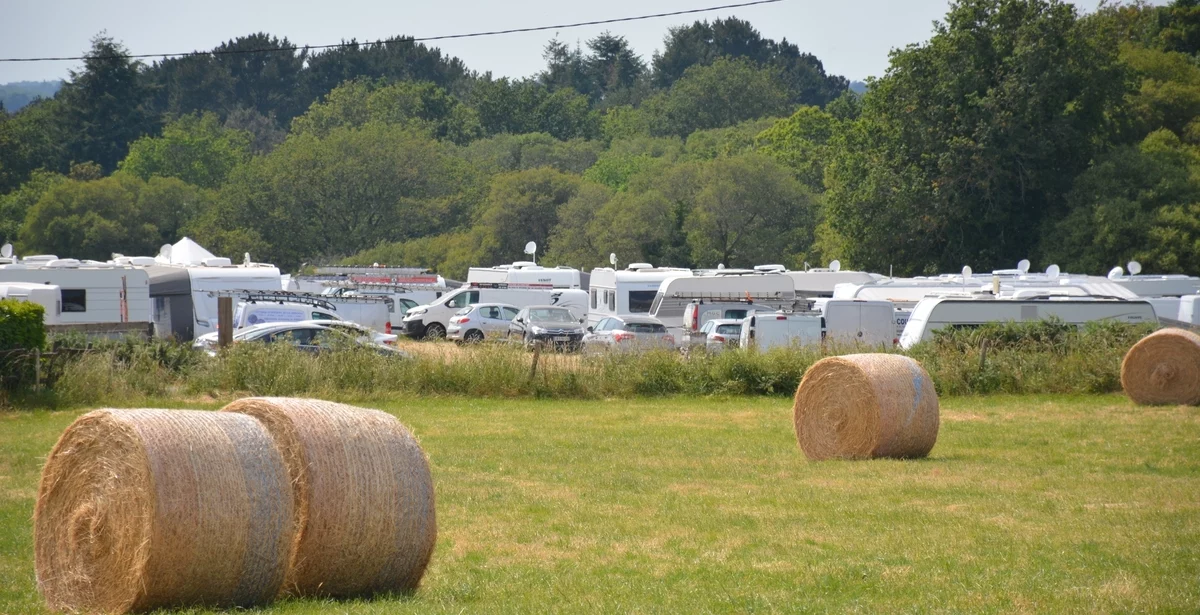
x=691 y=505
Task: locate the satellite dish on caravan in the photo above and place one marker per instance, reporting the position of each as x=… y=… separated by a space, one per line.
x=1023 y=266
x=246 y=259
x=530 y=247
x=164 y=252
x=966 y=272
x=720 y=266
x=1053 y=272
x=612 y=259
x=6 y=250
x=835 y=266
x=1115 y=273
x=1134 y=267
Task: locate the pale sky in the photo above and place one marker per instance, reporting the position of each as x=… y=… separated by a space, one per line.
x=851 y=37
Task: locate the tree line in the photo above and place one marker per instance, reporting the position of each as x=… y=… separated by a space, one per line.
x=1021 y=129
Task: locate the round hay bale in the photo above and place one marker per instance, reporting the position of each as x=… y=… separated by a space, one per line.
x=1163 y=368
x=363 y=497
x=865 y=406
x=142 y=509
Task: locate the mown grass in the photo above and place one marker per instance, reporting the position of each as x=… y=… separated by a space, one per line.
x=1036 y=358
x=705 y=505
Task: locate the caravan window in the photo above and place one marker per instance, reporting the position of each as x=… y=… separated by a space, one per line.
x=641 y=300
x=74 y=300
x=612 y=301
x=594 y=293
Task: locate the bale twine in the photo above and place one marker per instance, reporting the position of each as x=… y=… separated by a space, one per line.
x=864 y=406
x=142 y=509
x=1163 y=368
x=363 y=497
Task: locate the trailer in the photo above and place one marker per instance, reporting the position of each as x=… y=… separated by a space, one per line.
x=89 y=292
x=771 y=291
x=626 y=292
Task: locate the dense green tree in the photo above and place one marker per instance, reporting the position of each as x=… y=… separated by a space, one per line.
x=802 y=143
x=723 y=93
x=394 y=59
x=1132 y=204
x=419 y=104
x=103 y=105
x=265 y=133
x=33 y=138
x=703 y=43
x=507 y=152
x=15 y=206
x=320 y=197
x=728 y=141
x=522 y=207
x=120 y=213
x=970 y=142
x=1168 y=95
x=570 y=241
x=518 y=107
x=194 y=148
x=1180 y=26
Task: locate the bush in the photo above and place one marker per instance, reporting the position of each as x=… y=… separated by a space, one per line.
x=22 y=325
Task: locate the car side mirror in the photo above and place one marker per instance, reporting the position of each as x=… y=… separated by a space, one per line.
x=591 y=329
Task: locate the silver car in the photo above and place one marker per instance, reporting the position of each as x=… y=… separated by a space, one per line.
x=481 y=321
x=628 y=333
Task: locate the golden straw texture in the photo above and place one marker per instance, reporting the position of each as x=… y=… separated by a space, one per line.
x=363 y=493
x=864 y=406
x=1163 y=369
x=142 y=509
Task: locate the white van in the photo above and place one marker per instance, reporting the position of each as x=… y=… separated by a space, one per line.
x=697 y=313
x=256 y=313
x=371 y=312
x=936 y=313
x=765 y=330
x=849 y=321
x=432 y=319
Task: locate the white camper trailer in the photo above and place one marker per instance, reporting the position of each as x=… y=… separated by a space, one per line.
x=850 y=321
x=626 y=292
x=89 y=293
x=819 y=282
x=771 y=290
x=935 y=313
x=49 y=296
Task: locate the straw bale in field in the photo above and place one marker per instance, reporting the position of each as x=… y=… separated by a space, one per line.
x=141 y=509
x=865 y=406
x=1163 y=368
x=363 y=496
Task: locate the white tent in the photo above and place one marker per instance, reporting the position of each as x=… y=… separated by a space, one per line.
x=185 y=252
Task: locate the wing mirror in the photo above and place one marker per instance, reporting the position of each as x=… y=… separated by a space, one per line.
x=591 y=329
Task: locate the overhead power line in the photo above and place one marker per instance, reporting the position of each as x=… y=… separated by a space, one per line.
x=443 y=37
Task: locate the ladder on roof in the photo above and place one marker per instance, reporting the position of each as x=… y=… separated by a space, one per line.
x=394 y=286
x=730 y=297
x=369 y=270
x=286 y=296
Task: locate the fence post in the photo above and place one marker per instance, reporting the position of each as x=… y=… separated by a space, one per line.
x=537 y=352
x=983 y=348
x=224 y=321
x=37 y=369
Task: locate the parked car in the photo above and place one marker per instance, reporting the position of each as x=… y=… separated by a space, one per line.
x=308 y=337
x=481 y=321
x=357 y=331
x=628 y=333
x=730 y=327
x=547 y=324
x=723 y=334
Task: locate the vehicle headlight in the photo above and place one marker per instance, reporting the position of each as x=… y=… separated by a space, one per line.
x=537 y=330
x=416 y=312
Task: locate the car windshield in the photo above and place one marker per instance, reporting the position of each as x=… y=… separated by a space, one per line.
x=551 y=315
x=729 y=329
x=645 y=327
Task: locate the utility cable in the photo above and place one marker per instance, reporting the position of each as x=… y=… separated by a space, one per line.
x=380 y=42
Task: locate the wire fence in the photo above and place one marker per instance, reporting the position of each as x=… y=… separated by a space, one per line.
x=24 y=368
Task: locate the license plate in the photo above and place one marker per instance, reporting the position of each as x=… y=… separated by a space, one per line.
x=561 y=338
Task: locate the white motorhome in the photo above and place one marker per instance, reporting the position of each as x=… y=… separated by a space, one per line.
x=819 y=282
x=935 y=313
x=1150 y=285
x=1189 y=310
x=770 y=290
x=89 y=292
x=626 y=292
x=432 y=319
x=526 y=273
x=49 y=296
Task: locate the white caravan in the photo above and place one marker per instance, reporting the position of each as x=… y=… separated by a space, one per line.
x=1189 y=310
x=819 y=282
x=770 y=290
x=432 y=319
x=626 y=292
x=526 y=273
x=1149 y=285
x=185 y=280
x=935 y=313
x=49 y=296
x=89 y=292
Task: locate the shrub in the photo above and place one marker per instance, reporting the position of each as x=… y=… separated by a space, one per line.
x=22 y=325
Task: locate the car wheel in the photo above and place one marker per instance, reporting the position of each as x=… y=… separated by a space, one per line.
x=474 y=336
x=435 y=331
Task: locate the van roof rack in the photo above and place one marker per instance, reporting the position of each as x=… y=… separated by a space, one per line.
x=369 y=269
x=350 y=284
x=729 y=297
x=287 y=296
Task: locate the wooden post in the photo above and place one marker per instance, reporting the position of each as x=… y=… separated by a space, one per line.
x=537 y=352
x=37 y=369
x=224 y=322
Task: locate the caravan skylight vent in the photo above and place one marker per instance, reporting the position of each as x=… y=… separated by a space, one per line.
x=217 y=261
